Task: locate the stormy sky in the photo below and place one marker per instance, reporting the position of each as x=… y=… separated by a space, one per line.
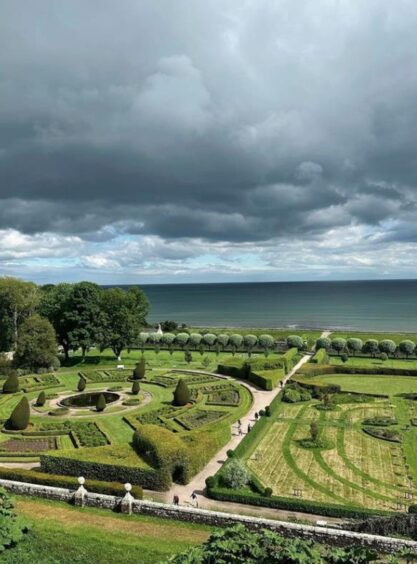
x=190 y=141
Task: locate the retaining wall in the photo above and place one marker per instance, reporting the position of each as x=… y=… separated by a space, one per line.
x=325 y=535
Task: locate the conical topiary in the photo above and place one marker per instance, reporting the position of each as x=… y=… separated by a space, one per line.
x=135 y=387
x=41 y=399
x=19 y=418
x=81 y=385
x=11 y=385
x=181 y=394
x=139 y=371
x=101 y=403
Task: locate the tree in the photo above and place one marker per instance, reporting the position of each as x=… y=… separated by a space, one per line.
x=188 y=357
x=235 y=475
x=407 y=347
x=168 y=339
x=142 y=339
x=139 y=371
x=250 y=341
x=338 y=344
x=371 y=347
x=236 y=341
x=387 y=346
x=314 y=431
x=323 y=343
x=125 y=313
x=354 y=345
x=18 y=300
x=169 y=326
x=266 y=342
x=181 y=339
x=101 y=403
x=85 y=317
x=19 y=418
x=223 y=340
x=12 y=528
x=81 y=384
x=41 y=399
x=295 y=341
x=54 y=305
x=11 y=385
x=135 y=387
x=154 y=338
x=209 y=339
x=36 y=344
x=206 y=362
x=195 y=339
x=182 y=394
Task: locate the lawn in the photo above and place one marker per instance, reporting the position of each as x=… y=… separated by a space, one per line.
x=369 y=362
x=367 y=384
x=65 y=534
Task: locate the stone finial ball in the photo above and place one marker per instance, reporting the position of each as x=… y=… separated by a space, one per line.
x=81 y=481
x=128 y=487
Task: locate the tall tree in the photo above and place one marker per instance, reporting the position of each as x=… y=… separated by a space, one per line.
x=36 y=345
x=125 y=314
x=55 y=306
x=18 y=300
x=84 y=316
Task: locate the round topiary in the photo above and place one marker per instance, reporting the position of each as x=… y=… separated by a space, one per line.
x=268 y=492
x=41 y=399
x=101 y=403
x=230 y=453
x=135 y=387
x=81 y=384
x=11 y=385
x=19 y=418
x=139 y=371
x=181 y=394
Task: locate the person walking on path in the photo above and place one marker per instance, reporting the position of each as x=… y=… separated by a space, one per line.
x=194 y=498
x=176 y=500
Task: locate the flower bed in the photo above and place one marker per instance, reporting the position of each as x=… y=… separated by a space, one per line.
x=197 y=418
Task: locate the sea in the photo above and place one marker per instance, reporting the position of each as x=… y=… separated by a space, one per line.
x=373 y=305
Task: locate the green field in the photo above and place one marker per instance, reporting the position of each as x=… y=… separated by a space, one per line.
x=65 y=534
x=366 y=384
x=369 y=362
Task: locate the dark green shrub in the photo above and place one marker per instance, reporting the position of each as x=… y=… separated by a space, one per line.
x=135 y=387
x=188 y=357
x=81 y=384
x=11 y=385
x=268 y=410
x=295 y=341
x=19 y=418
x=230 y=453
x=139 y=371
x=41 y=399
x=261 y=412
x=211 y=481
x=268 y=492
x=12 y=528
x=344 y=357
x=383 y=356
x=182 y=394
x=101 y=403
x=412 y=509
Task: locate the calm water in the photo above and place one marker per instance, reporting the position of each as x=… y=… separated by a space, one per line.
x=364 y=305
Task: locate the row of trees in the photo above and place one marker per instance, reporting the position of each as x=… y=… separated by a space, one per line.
x=372 y=347
x=34 y=319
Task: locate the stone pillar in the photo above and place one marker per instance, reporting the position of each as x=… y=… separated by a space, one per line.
x=81 y=493
x=127 y=500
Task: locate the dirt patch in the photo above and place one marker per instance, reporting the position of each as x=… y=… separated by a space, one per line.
x=71 y=518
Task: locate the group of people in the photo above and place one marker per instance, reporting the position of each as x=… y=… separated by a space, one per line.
x=176 y=499
x=239 y=427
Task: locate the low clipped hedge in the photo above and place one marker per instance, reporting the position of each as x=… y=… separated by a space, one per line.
x=69 y=482
x=321 y=357
x=317 y=370
x=149 y=478
x=268 y=372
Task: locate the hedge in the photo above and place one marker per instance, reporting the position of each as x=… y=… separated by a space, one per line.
x=314 y=370
x=321 y=357
x=149 y=478
x=69 y=482
x=289 y=358
x=290 y=504
x=264 y=377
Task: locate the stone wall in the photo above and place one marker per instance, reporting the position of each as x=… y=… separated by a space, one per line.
x=325 y=535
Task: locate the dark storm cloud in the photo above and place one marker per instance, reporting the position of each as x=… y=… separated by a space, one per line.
x=233 y=122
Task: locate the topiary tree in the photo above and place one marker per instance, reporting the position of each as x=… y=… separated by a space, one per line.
x=181 y=394
x=235 y=474
x=142 y=339
x=181 y=339
x=235 y=341
x=209 y=339
x=407 y=347
x=135 y=387
x=354 y=345
x=338 y=344
x=223 y=340
x=202 y=349
x=250 y=341
x=41 y=399
x=154 y=338
x=371 y=347
x=168 y=339
x=139 y=371
x=195 y=339
x=314 y=431
x=323 y=343
x=188 y=357
x=387 y=346
x=344 y=357
x=383 y=356
x=101 y=403
x=11 y=385
x=19 y=418
x=295 y=341
x=266 y=342
x=81 y=384
x=12 y=528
